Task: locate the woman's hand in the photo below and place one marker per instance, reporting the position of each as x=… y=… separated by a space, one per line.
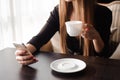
x=89 y=32
x=25 y=57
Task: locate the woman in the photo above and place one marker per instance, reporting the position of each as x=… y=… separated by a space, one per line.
x=94 y=40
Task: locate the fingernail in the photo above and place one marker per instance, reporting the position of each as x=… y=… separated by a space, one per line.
x=86 y=29
x=35 y=59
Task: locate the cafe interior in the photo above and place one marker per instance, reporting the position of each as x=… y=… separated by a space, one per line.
x=55 y=66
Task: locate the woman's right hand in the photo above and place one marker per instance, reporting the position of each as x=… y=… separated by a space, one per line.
x=24 y=57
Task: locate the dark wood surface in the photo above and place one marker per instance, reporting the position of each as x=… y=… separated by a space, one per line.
x=97 y=68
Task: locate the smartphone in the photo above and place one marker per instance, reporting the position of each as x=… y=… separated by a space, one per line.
x=21 y=46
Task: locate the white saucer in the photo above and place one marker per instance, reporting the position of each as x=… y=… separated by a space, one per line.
x=68 y=65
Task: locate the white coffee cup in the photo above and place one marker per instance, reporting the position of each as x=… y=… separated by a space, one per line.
x=74 y=28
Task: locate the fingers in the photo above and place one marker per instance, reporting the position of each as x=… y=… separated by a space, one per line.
x=20 y=52
x=85 y=32
x=24 y=57
x=88 y=36
x=87 y=27
x=27 y=62
x=88 y=32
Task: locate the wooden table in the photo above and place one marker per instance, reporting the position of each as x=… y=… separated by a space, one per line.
x=97 y=68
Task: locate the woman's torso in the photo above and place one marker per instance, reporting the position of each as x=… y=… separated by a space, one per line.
x=102 y=22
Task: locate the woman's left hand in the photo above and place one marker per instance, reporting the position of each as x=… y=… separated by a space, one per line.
x=89 y=32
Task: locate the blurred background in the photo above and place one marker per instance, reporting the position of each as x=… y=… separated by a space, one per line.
x=20 y=20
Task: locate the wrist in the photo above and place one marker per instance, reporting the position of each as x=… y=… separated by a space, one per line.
x=31 y=48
